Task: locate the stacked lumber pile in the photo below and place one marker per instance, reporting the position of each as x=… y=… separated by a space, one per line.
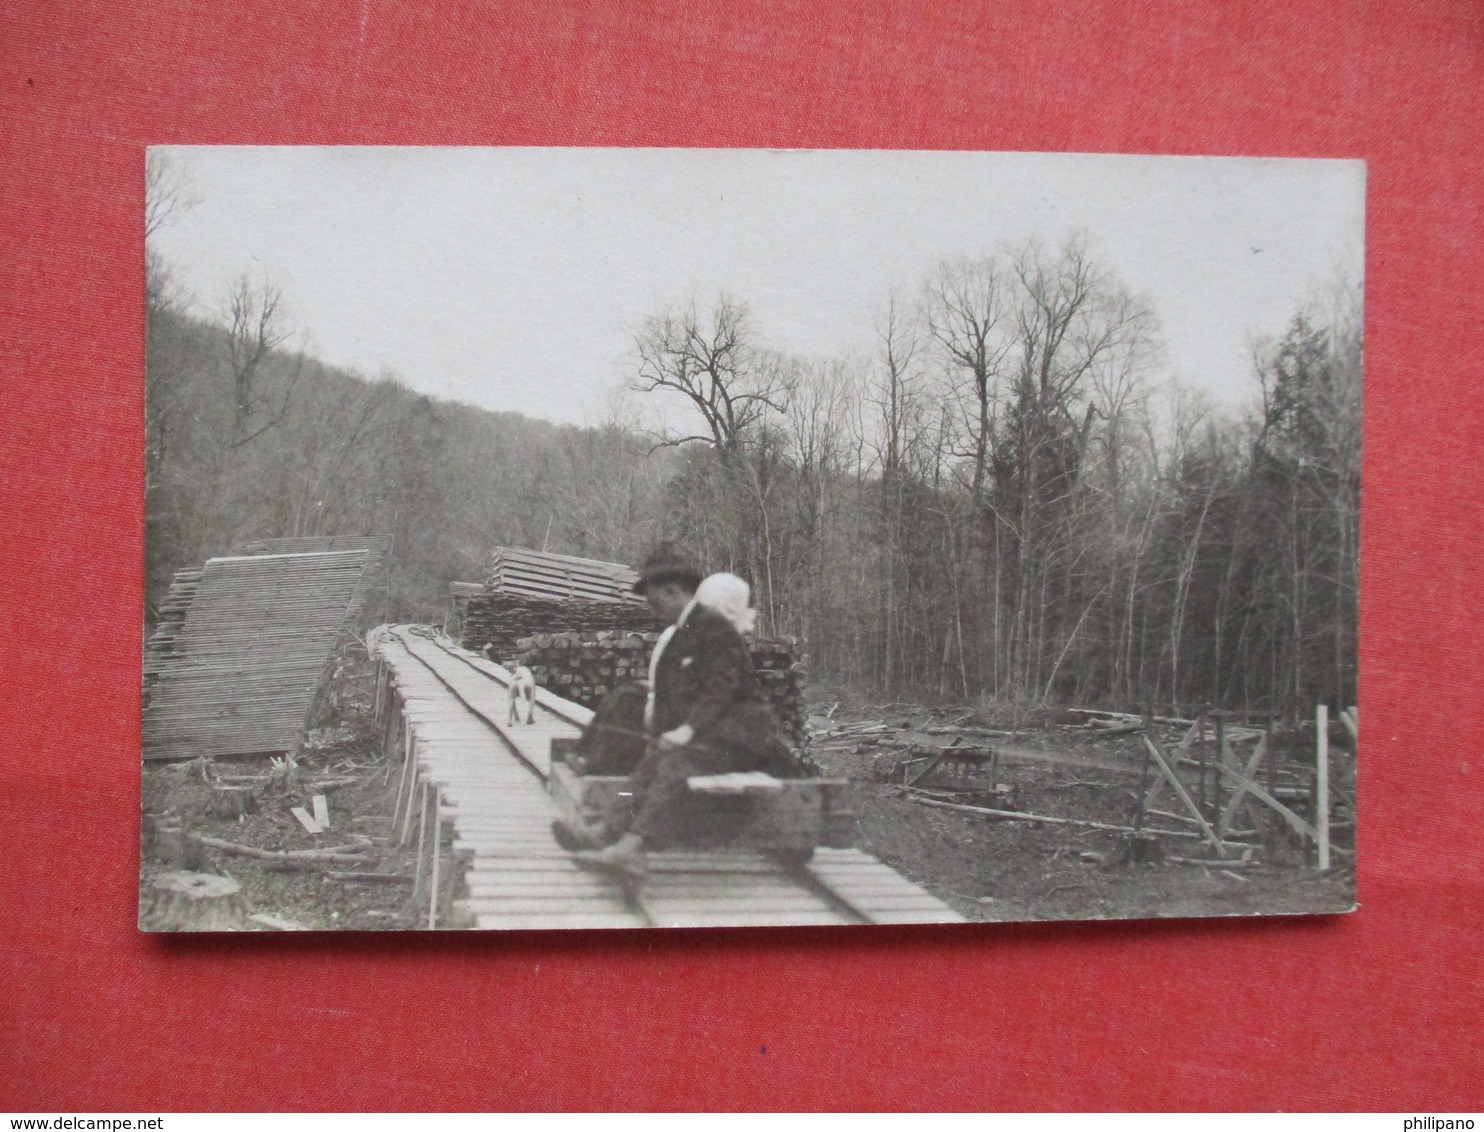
x=160 y=650
x=561 y=577
x=376 y=548
x=586 y=666
x=530 y=592
x=244 y=650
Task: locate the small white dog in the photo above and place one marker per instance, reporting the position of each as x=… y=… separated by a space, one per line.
x=522 y=687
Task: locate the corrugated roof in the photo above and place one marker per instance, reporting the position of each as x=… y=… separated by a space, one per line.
x=243 y=668
x=560 y=577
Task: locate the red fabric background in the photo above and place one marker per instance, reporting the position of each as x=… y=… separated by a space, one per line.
x=1377 y=1010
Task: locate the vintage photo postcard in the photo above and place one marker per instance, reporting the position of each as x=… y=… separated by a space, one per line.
x=597 y=538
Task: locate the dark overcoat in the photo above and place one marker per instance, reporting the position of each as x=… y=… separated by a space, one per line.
x=705 y=678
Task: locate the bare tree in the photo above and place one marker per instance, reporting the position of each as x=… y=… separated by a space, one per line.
x=168 y=192
x=257 y=325
x=714 y=363
x=167 y=197
x=967 y=302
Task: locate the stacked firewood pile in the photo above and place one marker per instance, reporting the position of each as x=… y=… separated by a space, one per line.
x=585 y=666
x=496 y=622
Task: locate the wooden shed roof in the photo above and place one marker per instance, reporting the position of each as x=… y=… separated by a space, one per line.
x=245 y=663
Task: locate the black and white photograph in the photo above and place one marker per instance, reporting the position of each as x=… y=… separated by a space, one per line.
x=623 y=538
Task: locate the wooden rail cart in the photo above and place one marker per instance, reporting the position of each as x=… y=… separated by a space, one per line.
x=788 y=817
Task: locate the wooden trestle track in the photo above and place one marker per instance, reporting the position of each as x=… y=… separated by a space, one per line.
x=471 y=797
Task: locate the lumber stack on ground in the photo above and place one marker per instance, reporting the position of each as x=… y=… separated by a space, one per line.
x=239 y=673
x=530 y=592
x=161 y=648
x=535 y=573
x=377 y=547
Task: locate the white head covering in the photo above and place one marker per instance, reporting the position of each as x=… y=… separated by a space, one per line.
x=730 y=596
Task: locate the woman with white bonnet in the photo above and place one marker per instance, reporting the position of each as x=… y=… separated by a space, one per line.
x=730 y=596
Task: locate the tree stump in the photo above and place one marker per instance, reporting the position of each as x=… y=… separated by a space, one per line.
x=194 y=902
x=170 y=845
x=232 y=802
x=284 y=777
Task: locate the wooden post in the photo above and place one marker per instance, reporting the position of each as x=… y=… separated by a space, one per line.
x=401 y=743
x=437 y=793
x=1321 y=787
x=422 y=828
x=409 y=779
x=1143 y=785
x=1221 y=754
x=413 y=778
x=1269 y=758
x=1200 y=721
x=1173 y=778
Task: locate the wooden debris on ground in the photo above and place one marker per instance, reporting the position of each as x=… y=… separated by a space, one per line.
x=1017 y=815
x=1212 y=863
x=276 y=923
x=1184 y=796
x=852 y=730
x=353 y=853
x=325 y=785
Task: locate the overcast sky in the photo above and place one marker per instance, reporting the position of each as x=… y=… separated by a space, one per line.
x=514 y=278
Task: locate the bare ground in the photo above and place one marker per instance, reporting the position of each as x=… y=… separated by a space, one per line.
x=305 y=893
x=987 y=868
x=993 y=868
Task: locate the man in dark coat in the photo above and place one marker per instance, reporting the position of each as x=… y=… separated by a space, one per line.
x=707 y=716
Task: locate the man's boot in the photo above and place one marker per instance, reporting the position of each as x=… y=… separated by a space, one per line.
x=580 y=835
x=625 y=856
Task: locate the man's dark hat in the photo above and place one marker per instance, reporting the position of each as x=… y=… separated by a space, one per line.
x=666 y=564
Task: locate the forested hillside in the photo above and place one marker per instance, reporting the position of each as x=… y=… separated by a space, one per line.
x=1002 y=496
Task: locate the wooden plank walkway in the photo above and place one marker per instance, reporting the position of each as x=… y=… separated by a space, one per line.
x=471 y=771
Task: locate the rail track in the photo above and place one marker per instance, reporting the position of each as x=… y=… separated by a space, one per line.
x=471 y=796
